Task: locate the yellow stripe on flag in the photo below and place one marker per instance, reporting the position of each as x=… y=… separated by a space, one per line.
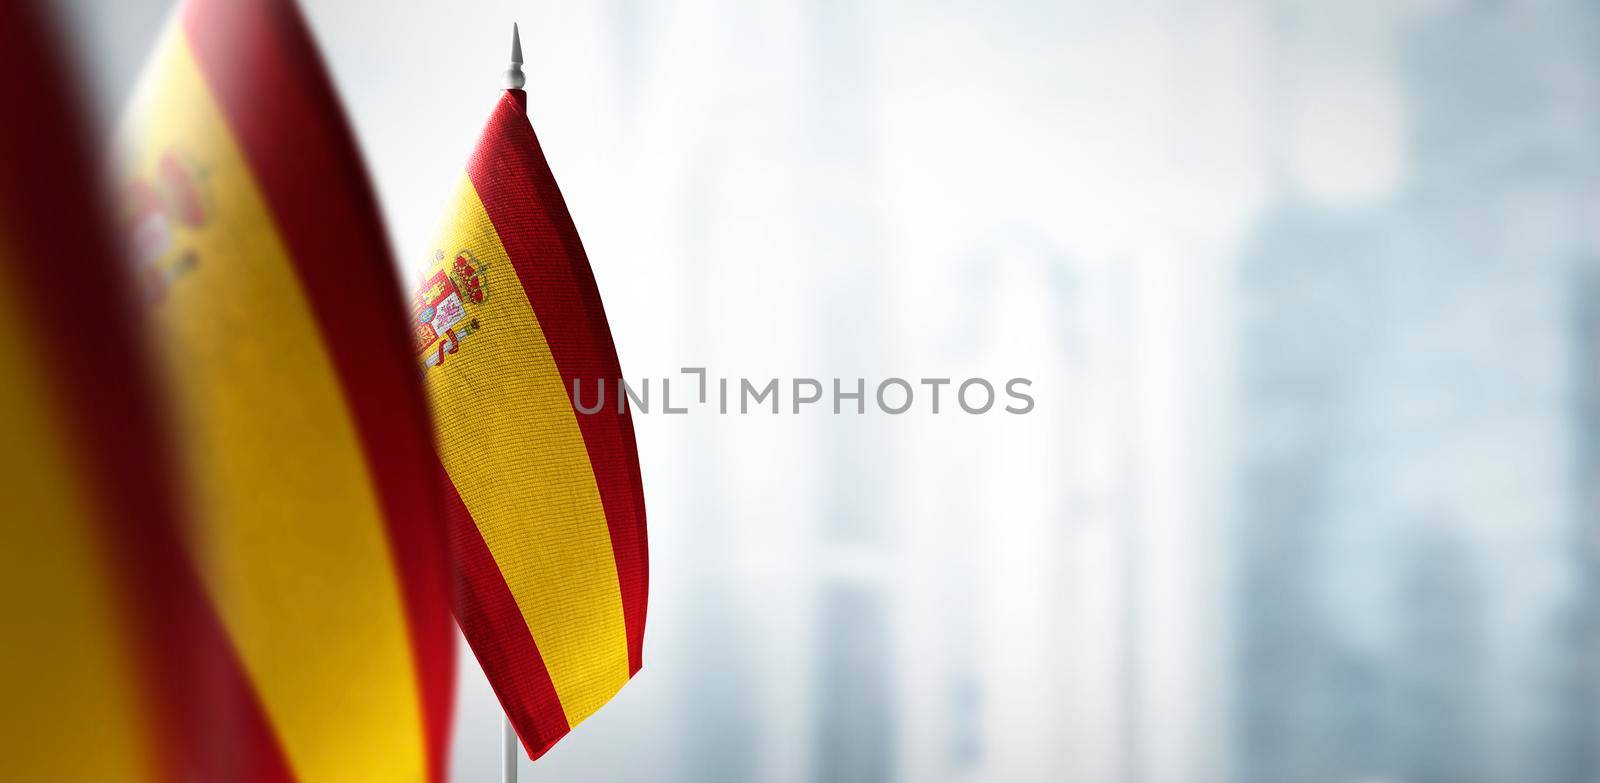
x=67 y=669
x=509 y=438
x=290 y=541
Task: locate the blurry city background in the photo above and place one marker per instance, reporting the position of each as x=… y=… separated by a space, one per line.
x=1309 y=291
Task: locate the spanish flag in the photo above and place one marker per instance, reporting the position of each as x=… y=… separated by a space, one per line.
x=87 y=497
x=300 y=428
x=546 y=505
x=115 y=666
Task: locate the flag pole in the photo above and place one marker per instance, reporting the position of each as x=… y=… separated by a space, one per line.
x=514 y=80
x=513 y=77
x=508 y=751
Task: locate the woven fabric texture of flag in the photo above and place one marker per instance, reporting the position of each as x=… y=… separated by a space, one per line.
x=546 y=505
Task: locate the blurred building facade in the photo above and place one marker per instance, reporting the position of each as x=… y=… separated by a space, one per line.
x=1416 y=442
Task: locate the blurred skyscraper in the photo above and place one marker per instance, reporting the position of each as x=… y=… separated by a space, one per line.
x=1579 y=635
x=1415 y=455
x=854 y=711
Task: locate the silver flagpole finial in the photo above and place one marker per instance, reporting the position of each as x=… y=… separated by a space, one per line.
x=514 y=77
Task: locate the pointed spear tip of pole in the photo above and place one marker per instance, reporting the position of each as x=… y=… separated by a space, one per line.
x=514 y=78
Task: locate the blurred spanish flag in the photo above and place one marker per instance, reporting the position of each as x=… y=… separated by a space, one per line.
x=87 y=515
x=115 y=665
x=546 y=505
x=300 y=429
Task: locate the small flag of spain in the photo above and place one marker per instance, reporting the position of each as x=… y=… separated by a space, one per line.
x=87 y=515
x=547 y=508
x=300 y=427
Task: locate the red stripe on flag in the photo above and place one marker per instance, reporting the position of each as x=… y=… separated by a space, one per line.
x=260 y=63
x=499 y=636
x=221 y=729
x=512 y=178
x=206 y=721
